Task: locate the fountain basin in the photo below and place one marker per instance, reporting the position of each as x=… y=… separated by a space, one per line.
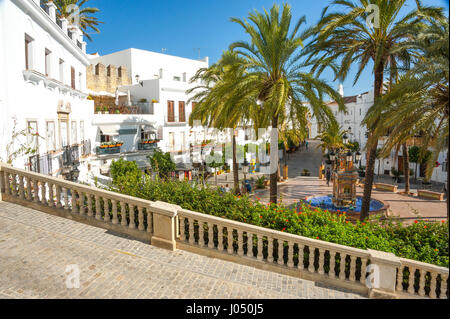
x=377 y=207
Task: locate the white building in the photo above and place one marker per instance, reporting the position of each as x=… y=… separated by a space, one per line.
x=357 y=107
x=42 y=85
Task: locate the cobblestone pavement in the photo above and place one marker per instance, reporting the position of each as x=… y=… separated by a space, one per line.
x=35 y=249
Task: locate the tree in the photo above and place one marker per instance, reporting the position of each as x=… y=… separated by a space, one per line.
x=121 y=169
x=275 y=77
x=331 y=137
x=68 y=9
x=162 y=163
x=25 y=148
x=344 y=37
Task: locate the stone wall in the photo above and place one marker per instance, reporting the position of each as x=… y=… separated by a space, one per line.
x=106 y=78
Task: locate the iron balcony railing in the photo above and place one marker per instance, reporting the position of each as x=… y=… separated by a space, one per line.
x=41 y=163
x=71 y=155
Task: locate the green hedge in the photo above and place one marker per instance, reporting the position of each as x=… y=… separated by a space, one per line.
x=426 y=242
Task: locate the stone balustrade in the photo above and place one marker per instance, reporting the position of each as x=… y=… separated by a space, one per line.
x=370 y=272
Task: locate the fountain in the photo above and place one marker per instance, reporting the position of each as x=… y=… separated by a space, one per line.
x=344 y=179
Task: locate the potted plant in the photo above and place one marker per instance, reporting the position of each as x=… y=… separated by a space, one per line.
x=119 y=143
x=98 y=110
x=305 y=172
x=117 y=111
x=143 y=101
x=105 y=110
x=154 y=101
x=260 y=182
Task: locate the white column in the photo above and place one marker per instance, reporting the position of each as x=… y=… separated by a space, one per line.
x=64 y=25
x=51 y=10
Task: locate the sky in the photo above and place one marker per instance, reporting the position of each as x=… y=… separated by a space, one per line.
x=198 y=28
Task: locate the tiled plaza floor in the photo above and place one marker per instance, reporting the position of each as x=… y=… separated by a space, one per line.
x=36 y=248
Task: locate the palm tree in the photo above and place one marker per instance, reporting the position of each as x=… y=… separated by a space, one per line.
x=331 y=137
x=66 y=9
x=419 y=102
x=347 y=38
x=274 y=75
x=216 y=105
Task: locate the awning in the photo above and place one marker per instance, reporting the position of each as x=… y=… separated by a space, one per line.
x=148 y=128
x=109 y=129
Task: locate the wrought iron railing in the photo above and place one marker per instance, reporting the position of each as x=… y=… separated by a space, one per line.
x=71 y=155
x=41 y=163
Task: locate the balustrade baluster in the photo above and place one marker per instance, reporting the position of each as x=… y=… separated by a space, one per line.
x=132 y=222
x=422 y=274
x=363 y=270
x=210 y=235
x=106 y=218
x=270 y=249
x=8 y=184
x=43 y=193
x=21 y=188
x=311 y=267
x=66 y=198
x=399 y=285
x=443 y=293
x=14 y=185
x=89 y=203
x=74 y=201
x=98 y=208
x=332 y=271
x=320 y=270
x=182 y=228
x=201 y=234
x=36 y=190
x=141 y=218
x=58 y=196
x=352 y=276
x=433 y=285
x=191 y=231
x=230 y=249
x=81 y=203
x=411 y=289
x=301 y=257
x=220 y=238
x=342 y=266
x=249 y=244
x=50 y=202
x=260 y=256
x=240 y=243
x=29 y=190
x=123 y=214
x=290 y=256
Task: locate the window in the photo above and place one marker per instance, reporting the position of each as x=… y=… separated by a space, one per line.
x=72 y=77
x=184 y=77
x=61 y=70
x=73 y=132
x=160 y=73
x=182 y=140
x=81 y=131
x=170 y=111
x=28 y=52
x=359 y=112
x=181 y=112
x=105 y=138
x=51 y=140
x=47 y=62
x=176 y=78
x=32 y=138
x=63 y=133
x=147 y=135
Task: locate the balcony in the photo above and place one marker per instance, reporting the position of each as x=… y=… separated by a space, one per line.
x=139 y=108
x=147 y=145
x=108 y=148
x=176 y=120
x=71 y=155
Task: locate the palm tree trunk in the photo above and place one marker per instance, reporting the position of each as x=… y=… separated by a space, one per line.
x=274 y=158
x=406 y=167
x=235 y=168
x=378 y=91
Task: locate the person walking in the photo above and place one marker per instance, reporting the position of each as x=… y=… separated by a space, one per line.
x=306 y=144
x=328 y=176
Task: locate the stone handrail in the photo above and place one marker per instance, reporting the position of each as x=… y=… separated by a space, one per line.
x=171 y=227
x=415 y=278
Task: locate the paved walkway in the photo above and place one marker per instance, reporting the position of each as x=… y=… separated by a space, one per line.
x=35 y=249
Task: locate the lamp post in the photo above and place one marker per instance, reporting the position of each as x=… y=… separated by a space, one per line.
x=358 y=158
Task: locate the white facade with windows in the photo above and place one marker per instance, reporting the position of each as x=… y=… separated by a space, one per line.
x=42 y=82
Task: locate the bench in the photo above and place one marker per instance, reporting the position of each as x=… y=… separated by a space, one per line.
x=386 y=187
x=430 y=194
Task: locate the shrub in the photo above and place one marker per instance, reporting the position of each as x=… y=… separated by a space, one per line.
x=162 y=163
x=260 y=182
x=423 y=241
x=122 y=170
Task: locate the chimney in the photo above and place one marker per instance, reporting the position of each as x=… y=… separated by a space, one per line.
x=341 y=89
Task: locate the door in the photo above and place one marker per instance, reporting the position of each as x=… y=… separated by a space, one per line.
x=400 y=163
x=171 y=141
x=181 y=113
x=72 y=77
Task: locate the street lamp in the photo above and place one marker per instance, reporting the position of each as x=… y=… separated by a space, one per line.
x=345 y=138
x=332 y=156
x=349 y=156
x=358 y=156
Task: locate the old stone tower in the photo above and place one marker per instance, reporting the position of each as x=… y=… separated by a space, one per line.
x=101 y=78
